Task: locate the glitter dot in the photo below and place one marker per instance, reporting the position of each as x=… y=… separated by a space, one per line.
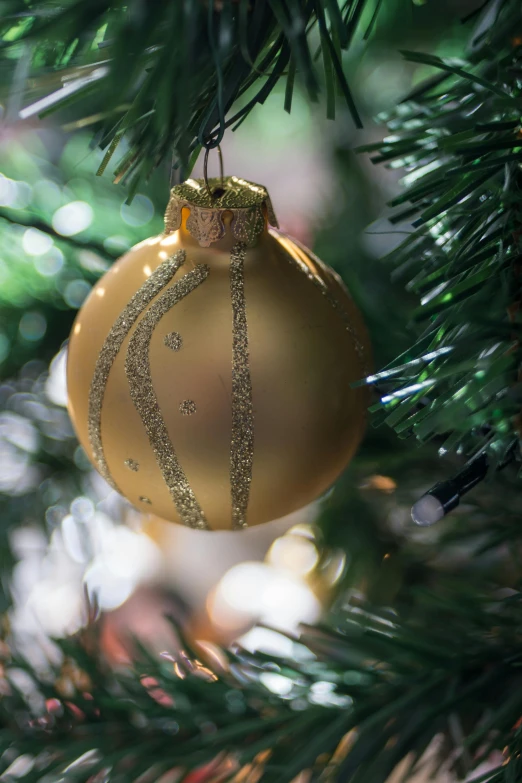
x=187 y=407
x=174 y=341
x=145 y=500
x=132 y=465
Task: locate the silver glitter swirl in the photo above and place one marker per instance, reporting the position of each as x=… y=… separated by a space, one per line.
x=110 y=349
x=242 y=440
x=137 y=369
x=131 y=464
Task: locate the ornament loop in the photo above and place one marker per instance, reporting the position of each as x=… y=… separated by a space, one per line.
x=212 y=193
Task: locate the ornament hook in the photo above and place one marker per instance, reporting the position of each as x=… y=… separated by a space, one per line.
x=221 y=172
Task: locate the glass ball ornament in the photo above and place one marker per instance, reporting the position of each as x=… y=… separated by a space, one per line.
x=210 y=369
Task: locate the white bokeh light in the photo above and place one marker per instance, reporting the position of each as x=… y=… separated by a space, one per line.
x=288 y=602
x=258 y=592
x=73 y=218
x=35 y=242
x=295 y=553
x=277 y=683
x=58 y=608
x=8 y=192
x=56 y=384
x=88 y=550
x=125 y=558
x=237 y=599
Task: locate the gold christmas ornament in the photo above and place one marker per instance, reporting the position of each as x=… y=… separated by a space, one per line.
x=210 y=369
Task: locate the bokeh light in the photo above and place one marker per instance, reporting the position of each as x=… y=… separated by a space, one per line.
x=36 y=242
x=139 y=213
x=272 y=593
x=50 y=263
x=76 y=292
x=294 y=553
x=32 y=326
x=73 y=218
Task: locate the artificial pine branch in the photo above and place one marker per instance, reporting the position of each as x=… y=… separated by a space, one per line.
x=170 y=77
x=459 y=139
x=445 y=660
x=390 y=683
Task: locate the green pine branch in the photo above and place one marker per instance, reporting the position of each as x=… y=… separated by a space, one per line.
x=376 y=689
x=458 y=138
x=170 y=77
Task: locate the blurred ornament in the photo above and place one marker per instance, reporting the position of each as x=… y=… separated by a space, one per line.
x=210 y=369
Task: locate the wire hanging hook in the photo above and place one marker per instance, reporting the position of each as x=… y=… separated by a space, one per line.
x=205 y=171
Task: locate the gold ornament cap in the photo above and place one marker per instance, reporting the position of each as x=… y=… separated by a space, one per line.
x=208 y=201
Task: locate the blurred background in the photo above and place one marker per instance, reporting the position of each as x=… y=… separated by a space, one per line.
x=70 y=546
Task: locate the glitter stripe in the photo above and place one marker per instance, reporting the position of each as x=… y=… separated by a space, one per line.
x=242 y=441
x=110 y=349
x=137 y=369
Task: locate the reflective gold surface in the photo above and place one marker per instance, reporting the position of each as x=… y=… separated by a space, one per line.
x=305 y=345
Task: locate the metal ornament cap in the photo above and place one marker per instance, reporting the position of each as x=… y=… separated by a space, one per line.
x=248 y=203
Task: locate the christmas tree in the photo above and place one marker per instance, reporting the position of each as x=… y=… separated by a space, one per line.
x=379 y=639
